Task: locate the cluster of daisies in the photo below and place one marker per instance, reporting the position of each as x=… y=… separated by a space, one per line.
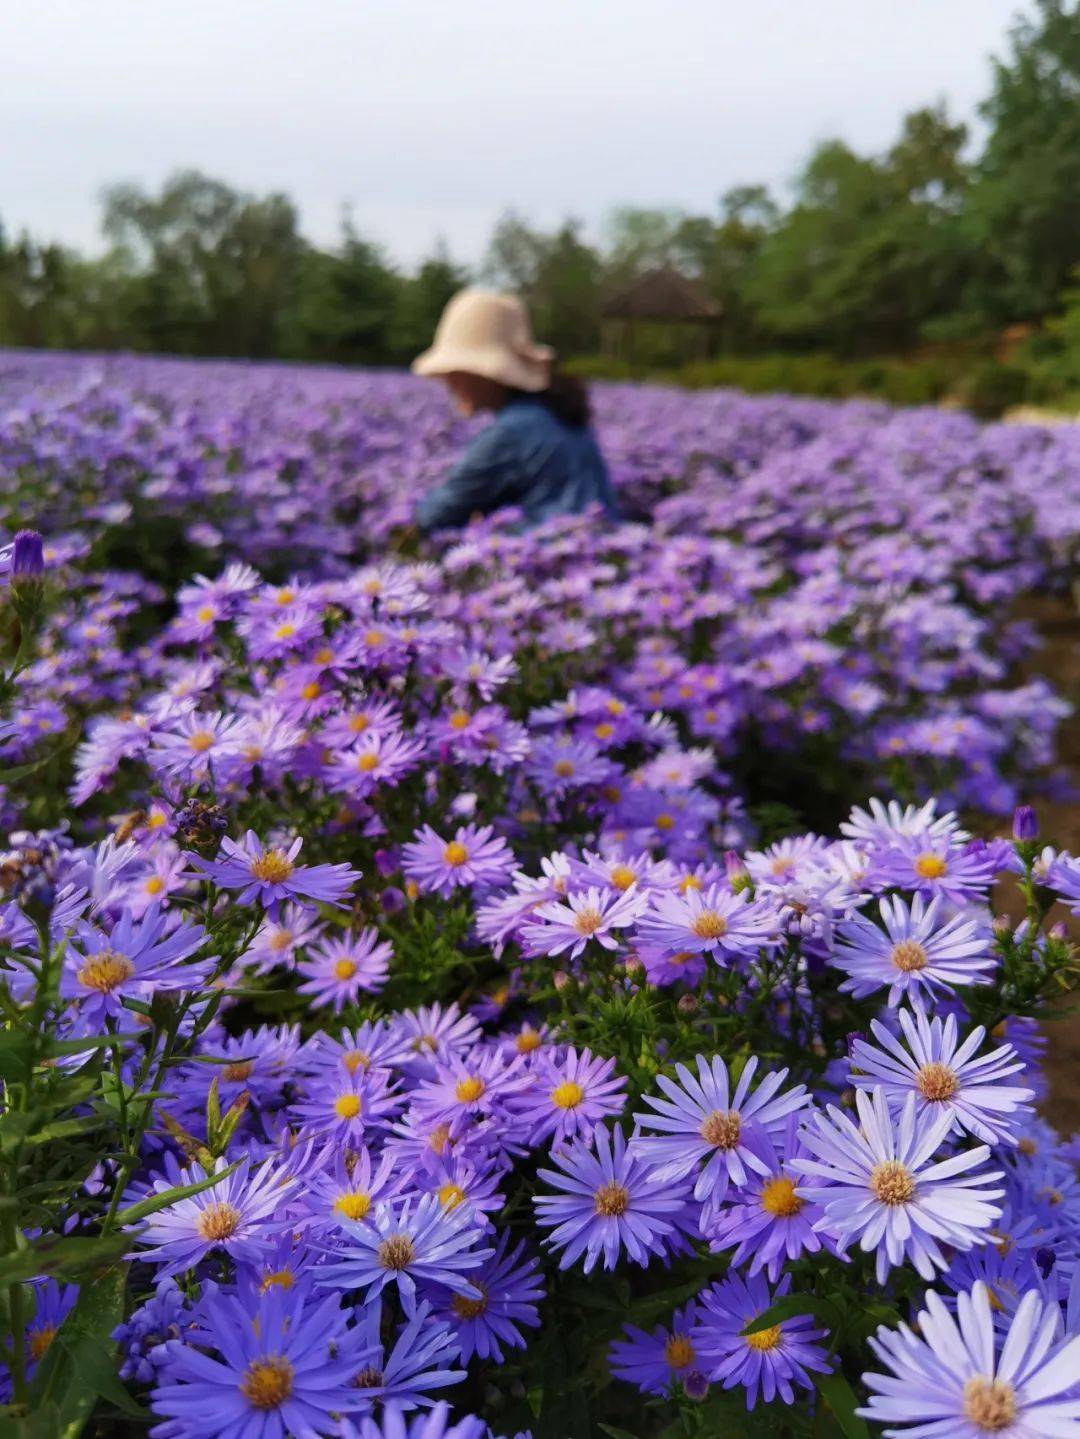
x=400 y=1189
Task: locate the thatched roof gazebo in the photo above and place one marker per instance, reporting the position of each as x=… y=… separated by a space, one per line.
x=653 y=307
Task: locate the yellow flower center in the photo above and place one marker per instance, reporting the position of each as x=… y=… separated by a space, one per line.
x=285 y=596
x=451 y=1195
x=689 y=881
x=397 y=1252
x=347 y=1106
x=359 y=723
x=664 y=822
x=344 y=969
x=564 y=768
x=622 y=876
x=459 y=719
x=930 y=866
x=200 y=740
x=105 y=971
x=40 y=1339
x=527 y=1041
x=373 y=638
x=679 y=1352
x=205 y=614
x=455 y=853
x=937 y=1081
x=764 y=1339
x=219 y=1221
x=722 y=1128
x=909 y=956
x=354 y=1204
x=268 y=1382
x=273 y=867
x=239 y=1071
x=588 y=920
x=468 y=1090
x=278 y=1279
x=285 y=631
x=778 y=1197
x=154 y=885
x=892 y=1182
x=368 y=761
x=466 y=1308
x=989 y=1404
x=708 y=924
x=354 y=1059
x=439 y=1138
x=603 y=730
x=567 y=1095
x=612 y=1200
x=311 y=690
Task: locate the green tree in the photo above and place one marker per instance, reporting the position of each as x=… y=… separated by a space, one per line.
x=345 y=304
x=1025 y=206
x=421 y=299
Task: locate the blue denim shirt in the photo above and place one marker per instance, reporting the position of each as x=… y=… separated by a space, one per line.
x=526 y=457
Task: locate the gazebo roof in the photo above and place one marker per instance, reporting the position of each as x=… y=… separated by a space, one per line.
x=661 y=294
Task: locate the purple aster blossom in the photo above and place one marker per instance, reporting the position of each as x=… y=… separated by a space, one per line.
x=879 y=1182
x=284 y=1365
x=436 y=1425
x=883 y=824
x=475 y=855
x=337 y=971
x=462 y=1178
x=766 y=1220
x=956 y=1376
x=277 y=940
x=374 y=1044
x=705 y=1128
x=425 y=1355
x=656 y=1362
x=239 y=1216
x=434 y=1032
x=1063 y=877
x=377 y=761
x=558 y=765
x=592 y=915
x=27 y=556
x=572 y=1093
x=466 y=1090
x=408 y=1243
x=510 y=1289
x=609 y=1202
x=52 y=1304
x=272 y=876
x=153 y=1332
x=485 y=673
x=134 y=960
x=939 y=869
x=944 y=1075
x=349 y=1107
x=347 y=1187
x=772 y=1362
x=917 y=955
x=196 y=746
x=714 y=921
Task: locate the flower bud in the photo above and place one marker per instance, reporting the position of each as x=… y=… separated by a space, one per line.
x=695 y=1386
x=560 y=979
x=27 y=556
x=1025 y=824
x=687 y=1004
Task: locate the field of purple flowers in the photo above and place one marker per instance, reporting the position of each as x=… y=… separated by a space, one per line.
x=526 y=983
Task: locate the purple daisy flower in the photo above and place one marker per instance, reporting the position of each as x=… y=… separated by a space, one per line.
x=424 y=1356
x=467 y=1090
x=773 y=1361
x=509 y=1291
x=714 y=921
x=571 y=1094
x=767 y=1220
x=879 y=1182
x=658 y=1361
x=272 y=875
x=610 y=1201
x=556 y=927
x=240 y=1217
x=348 y=1189
x=337 y=971
x=474 y=856
x=940 y=869
x=134 y=960
x=284 y=1365
x=436 y=1425
x=350 y=1106
x=943 y=1075
x=406 y=1244
x=702 y=1120
x=914 y=953
x=956 y=1376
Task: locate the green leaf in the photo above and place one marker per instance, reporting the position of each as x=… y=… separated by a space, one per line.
x=789 y=1306
x=840 y=1397
x=135 y=1212
x=62 y=1258
x=80 y=1365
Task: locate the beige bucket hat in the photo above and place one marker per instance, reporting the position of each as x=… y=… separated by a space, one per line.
x=482 y=333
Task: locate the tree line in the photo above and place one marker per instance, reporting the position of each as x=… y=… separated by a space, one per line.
x=926 y=243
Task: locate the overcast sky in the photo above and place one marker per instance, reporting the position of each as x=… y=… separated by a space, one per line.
x=430 y=117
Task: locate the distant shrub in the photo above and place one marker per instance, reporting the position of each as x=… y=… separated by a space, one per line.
x=991 y=389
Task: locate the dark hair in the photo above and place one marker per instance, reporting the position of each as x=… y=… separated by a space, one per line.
x=567 y=399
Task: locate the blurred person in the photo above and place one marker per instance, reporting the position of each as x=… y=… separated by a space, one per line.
x=539 y=454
